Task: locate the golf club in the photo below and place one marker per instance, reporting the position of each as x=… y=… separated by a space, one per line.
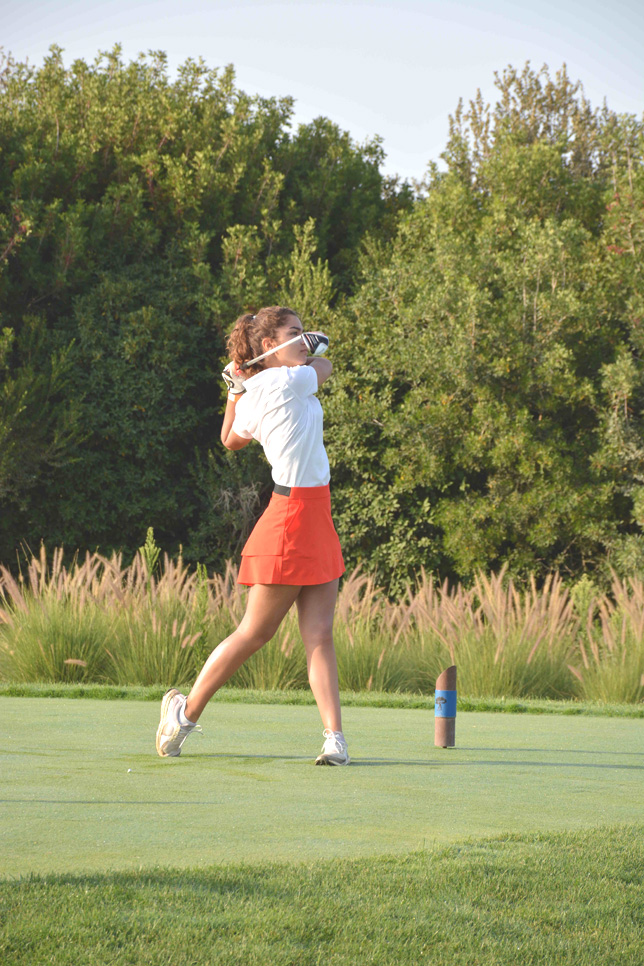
x=317 y=344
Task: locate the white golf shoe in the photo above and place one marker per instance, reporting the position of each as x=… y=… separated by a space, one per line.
x=171 y=733
x=334 y=750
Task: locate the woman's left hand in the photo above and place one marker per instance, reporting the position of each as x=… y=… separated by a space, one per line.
x=234 y=378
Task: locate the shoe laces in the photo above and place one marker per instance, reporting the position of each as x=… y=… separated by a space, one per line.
x=336 y=737
x=185 y=730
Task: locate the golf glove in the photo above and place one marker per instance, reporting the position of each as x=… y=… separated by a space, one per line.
x=234 y=379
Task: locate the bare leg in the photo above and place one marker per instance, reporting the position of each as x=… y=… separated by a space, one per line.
x=267 y=606
x=316 y=606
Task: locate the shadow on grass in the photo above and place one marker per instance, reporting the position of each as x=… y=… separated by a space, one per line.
x=549 y=751
x=545 y=764
x=308 y=759
x=242 y=880
x=438 y=762
x=95 y=801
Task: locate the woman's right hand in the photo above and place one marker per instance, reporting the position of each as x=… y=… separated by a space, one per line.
x=234 y=378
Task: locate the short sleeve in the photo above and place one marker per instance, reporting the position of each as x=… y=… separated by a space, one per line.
x=302 y=380
x=240 y=431
x=239 y=425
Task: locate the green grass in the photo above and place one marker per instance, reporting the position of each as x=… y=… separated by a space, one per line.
x=524 y=844
x=573 y=899
x=355 y=699
x=83 y=789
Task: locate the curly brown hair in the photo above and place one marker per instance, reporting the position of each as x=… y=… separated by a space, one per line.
x=245 y=341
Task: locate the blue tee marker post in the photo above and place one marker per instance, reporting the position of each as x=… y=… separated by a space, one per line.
x=445 y=709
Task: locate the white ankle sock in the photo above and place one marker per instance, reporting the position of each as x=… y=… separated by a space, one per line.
x=183 y=721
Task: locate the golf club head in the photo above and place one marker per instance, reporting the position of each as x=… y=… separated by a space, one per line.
x=316 y=343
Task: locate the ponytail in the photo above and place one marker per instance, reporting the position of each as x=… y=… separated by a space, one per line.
x=239 y=344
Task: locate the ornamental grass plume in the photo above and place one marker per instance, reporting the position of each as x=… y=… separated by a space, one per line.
x=53 y=623
x=612 y=646
x=99 y=620
x=503 y=640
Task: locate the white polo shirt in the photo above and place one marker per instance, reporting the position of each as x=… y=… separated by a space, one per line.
x=279 y=410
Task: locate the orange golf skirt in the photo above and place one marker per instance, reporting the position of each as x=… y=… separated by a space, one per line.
x=294 y=541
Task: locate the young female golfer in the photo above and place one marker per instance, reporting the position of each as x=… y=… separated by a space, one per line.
x=293 y=555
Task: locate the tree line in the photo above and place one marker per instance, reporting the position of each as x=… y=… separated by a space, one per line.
x=487 y=402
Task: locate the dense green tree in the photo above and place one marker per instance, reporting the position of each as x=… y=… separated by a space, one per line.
x=38 y=426
x=487 y=405
x=339 y=185
x=621 y=452
x=479 y=419
x=138 y=217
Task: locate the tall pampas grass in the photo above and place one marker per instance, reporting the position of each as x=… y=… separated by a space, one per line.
x=52 y=624
x=612 y=645
x=155 y=621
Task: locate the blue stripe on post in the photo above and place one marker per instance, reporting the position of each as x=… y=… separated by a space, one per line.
x=445 y=704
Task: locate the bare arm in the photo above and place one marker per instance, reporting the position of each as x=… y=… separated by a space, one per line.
x=229 y=439
x=323 y=367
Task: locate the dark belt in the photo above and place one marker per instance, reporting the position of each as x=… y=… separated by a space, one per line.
x=282 y=490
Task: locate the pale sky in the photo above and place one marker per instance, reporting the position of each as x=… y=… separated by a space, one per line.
x=396 y=69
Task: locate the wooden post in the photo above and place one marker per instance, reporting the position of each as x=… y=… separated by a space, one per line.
x=445 y=709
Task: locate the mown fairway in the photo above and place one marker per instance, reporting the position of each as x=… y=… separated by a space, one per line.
x=83 y=789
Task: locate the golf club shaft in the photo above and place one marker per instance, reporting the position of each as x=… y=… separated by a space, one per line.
x=270 y=352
